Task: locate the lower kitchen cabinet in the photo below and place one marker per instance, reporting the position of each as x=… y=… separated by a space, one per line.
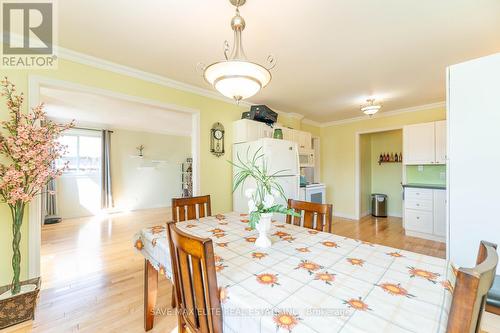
x=425 y=213
x=439 y=215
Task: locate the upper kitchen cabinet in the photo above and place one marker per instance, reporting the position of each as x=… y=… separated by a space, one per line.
x=287 y=133
x=425 y=143
x=419 y=144
x=245 y=130
x=440 y=132
x=303 y=139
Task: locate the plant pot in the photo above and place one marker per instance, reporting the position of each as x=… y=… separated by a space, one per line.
x=18 y=308
x=263 y=228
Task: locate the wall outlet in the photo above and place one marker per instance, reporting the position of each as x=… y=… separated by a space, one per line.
x=420 y=168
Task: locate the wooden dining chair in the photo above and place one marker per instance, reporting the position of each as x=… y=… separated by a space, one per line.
x=315 y=216
x=471 y=287
x=493 y=301
x=197 y=294
x=184 y=209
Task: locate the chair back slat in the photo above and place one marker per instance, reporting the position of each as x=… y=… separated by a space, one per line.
x=308 y=219
x=199 y=292
x=186 y=286
x=184 y=209
x=195 y=282
x=313 y=215
x=201 y=209
x=471 y=287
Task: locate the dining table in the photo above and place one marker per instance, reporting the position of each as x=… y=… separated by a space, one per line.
x=313 y=281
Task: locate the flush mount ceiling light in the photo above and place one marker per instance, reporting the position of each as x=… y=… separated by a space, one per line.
x=371 y=108
x=236 y=77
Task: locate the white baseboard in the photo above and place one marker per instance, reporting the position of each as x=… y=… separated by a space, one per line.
x=365 y=214
x=345 y=216
x=425 y=236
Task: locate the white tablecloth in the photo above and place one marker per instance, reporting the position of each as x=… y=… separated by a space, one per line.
x=310 y=281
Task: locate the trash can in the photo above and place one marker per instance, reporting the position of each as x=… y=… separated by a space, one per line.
x=379 y=205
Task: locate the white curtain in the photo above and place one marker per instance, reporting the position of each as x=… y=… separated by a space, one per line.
x=106 y=192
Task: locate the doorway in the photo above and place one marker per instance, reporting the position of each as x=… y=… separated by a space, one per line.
x=379 y=170
x=133 y=132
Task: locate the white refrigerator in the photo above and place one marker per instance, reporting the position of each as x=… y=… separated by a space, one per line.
x=279 y=155
x=473 y=157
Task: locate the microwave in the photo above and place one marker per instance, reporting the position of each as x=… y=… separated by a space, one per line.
x=306 y=158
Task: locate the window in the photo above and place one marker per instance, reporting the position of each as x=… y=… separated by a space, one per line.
x=83 y=152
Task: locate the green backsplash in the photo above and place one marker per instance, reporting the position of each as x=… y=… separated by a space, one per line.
x=430 y=175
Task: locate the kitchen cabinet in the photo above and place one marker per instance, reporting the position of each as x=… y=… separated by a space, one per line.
x=287 y=133
x=419 y=144
x=419 y=221
x=424 y=143
x=440 y=133
x=245 y=130
x=425 y=213
x=303 y=139
x=266 y=131
x=439 y=211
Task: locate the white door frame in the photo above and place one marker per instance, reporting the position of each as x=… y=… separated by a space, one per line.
x=357 y=165
x=35 y=207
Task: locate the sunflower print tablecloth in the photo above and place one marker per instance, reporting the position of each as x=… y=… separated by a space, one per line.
x=310 y=281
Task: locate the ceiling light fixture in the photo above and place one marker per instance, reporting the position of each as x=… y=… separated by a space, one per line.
x=236 y=77
x=371 y=108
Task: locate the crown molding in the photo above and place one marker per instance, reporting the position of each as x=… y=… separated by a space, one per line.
x=113 y=67
x=296 y=115
x=380 y=115
x=312 y=122
x=110 y=66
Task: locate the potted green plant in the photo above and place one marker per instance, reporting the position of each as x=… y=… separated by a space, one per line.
x=29 y=146
x=261 y=198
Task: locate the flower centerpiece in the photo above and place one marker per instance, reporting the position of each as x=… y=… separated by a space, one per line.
x=29 y=146
x=261 y=198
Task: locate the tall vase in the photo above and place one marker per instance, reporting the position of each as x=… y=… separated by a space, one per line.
x=263 y=228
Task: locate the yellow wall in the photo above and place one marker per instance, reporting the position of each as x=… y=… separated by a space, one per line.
x=386 y=178
x=137 y=183
x=365 y=152
x=314 y=130
x=215 y=172
x=338 y=150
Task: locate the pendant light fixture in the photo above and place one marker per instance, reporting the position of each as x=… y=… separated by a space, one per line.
x=371 y=108
x=236 y=77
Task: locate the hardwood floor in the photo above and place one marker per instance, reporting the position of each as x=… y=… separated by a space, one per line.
x=387 y=231
x=93 y=278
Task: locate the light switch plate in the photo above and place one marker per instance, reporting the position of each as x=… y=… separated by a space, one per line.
x=420 y=168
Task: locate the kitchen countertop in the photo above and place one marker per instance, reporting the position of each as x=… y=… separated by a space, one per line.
x=431 y=186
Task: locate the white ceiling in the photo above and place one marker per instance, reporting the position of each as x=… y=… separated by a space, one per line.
x=332 y=54
x=93 y=110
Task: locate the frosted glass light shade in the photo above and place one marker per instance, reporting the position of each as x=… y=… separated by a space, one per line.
x=237 y=79
x=370 y=109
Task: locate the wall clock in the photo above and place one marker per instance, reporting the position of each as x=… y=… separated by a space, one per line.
x=217 y=139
